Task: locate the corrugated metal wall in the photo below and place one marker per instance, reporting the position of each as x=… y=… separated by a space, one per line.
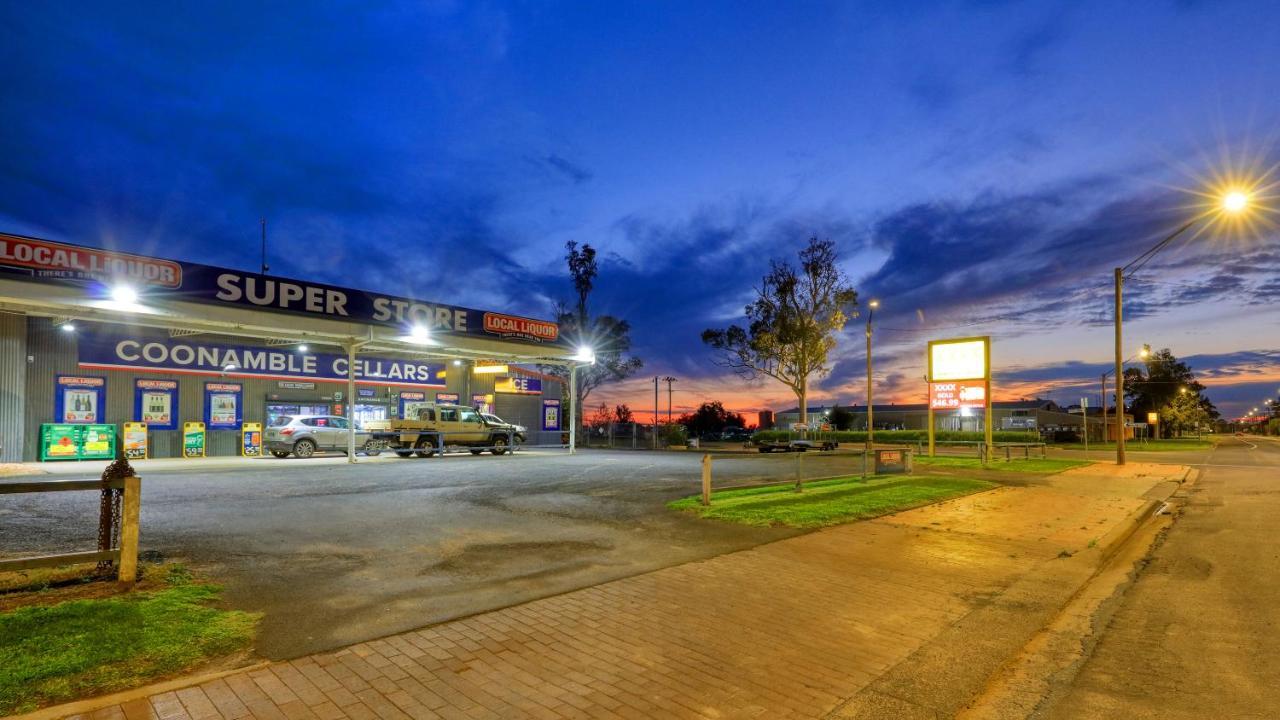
x=54 y=352
x=13 y=385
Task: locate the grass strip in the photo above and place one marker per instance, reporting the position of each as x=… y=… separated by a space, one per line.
x=79 y=648
x=1023 y=465
x=828 y=502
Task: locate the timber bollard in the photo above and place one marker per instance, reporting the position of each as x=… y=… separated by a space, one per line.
x=129 y=512
x=706 y=479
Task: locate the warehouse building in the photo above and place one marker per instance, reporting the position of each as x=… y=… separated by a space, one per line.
x=93 y=339
x=1044 y=416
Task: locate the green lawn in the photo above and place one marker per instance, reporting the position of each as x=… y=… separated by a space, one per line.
x=1147 y=446
x=828 y=502
x=73 y=649
x=1032 y=465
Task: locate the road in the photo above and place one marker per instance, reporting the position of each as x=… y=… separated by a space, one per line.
x=334 y=554
x=1197 y=635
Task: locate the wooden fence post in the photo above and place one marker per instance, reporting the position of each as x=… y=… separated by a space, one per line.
x=129 y=529
x=706 y=479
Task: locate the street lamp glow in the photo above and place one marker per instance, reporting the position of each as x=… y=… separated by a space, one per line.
x=585 y=354
x=124 y=295
x=1145 y=351
x=67 y=327
x=419 y=334
x=302 y=348
x=1235 y=201
x=873 y=304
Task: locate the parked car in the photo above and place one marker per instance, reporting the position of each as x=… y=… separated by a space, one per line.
x=305 y=435
x=501 y=425
x=735 y=434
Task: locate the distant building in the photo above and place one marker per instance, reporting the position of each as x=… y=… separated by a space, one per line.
x=764 y=420
x=1044 y=416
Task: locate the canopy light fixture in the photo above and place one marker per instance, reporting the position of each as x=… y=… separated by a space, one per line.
x=124 y=295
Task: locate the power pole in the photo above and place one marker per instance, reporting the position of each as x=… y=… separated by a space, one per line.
x=668 y=380
x=265 y=267
x=655 y=412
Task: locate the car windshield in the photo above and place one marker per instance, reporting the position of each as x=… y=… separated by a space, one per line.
x=493 y=419
x=280 y=420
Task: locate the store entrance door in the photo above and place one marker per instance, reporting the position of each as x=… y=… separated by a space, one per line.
x=277 y=410
x=370 y=411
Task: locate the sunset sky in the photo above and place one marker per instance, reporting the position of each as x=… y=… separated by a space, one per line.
x=981 y=166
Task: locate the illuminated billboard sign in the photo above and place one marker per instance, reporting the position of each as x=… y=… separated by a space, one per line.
x=960 y=359
x=953 y=395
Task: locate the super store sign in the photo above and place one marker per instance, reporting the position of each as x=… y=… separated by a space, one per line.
x=48 y=261
x=104 y=349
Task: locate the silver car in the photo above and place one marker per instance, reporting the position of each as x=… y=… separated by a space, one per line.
x=305 y=435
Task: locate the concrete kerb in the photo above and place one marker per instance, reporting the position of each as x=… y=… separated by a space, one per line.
x=88 y=705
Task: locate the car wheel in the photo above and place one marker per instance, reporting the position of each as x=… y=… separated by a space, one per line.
x=404 y=453
x=304 y=448
x=425 y=450
x=499 y=446
x=280 y=454
x=371 y=449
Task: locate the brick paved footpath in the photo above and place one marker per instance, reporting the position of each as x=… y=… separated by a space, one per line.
x=788 y=629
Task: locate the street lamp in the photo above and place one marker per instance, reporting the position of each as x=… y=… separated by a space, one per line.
x=871 y=428
x=1232 y=202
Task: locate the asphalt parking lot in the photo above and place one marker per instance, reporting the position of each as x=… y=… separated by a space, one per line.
x=335 y=554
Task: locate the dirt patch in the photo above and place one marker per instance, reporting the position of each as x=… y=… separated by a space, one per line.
x=44 y=587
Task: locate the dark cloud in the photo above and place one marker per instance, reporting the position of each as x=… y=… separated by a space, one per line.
x=569 y=169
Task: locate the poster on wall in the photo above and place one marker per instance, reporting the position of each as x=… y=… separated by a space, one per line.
x=550 y=415
x=79 y=399
x=483 y=403
x=155 y=402
x=411 y=402
x=222 y=407
x=447 y=398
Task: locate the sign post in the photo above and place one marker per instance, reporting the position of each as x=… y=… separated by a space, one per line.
x=193 y=440
x=135 y=441
x=959 y=376
x=251 y=440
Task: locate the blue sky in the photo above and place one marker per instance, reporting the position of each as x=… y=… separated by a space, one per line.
x=981 y=165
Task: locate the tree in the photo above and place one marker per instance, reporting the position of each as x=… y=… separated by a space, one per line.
x=601 y=417
x=623 y=414
x=608 y=337
x=710 y=418
x=792 y=323
x=1184 y=412
x=1162 y=380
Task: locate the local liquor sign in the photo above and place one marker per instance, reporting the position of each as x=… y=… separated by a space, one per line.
x=54 y=262
x=112 y=349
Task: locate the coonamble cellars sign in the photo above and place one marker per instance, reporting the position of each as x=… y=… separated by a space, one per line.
x=158 y=279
